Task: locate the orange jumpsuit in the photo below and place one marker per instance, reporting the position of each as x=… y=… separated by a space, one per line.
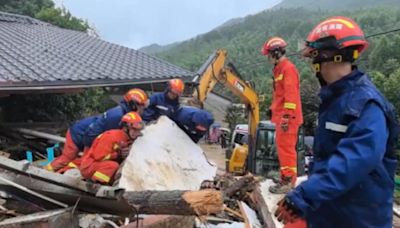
x=100 y=163
x=286 y=101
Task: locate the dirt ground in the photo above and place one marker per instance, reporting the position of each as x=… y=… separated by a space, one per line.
x=214 y=153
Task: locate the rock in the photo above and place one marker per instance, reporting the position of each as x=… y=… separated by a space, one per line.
x=165 y=158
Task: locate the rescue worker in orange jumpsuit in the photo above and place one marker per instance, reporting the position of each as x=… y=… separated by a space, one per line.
x=286 y=111
x=109 y=149
x=134 y=100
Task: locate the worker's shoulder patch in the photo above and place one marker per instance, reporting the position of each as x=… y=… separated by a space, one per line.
x=279 y=77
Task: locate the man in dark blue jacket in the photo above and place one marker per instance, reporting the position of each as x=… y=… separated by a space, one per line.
x=135 y=100
x=351 y=180
x=166 y=103
x=195 y=122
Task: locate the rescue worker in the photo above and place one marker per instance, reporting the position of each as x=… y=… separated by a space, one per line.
x=166 y=103
x=134 y=99
x=109 y=149
x=351 y=180
x=73 y=145
x=286 y=112
x=195 y=122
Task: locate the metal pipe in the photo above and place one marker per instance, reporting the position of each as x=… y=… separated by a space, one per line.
x=41 y=134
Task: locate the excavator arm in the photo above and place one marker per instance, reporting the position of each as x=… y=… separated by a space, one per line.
x=215 y=70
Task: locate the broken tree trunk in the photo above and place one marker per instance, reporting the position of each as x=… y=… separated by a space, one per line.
x=177 y=202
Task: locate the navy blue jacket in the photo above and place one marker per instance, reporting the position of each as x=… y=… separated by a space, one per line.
x=188 y=118
x=107 y=121
x=160 y=104
x=351 y=180
x=78 y=130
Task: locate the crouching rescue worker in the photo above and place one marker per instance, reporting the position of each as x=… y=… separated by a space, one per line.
x=165 y=103
x=351 y=180
x=73 y=145
x=285 y=111
x=80 y=135
x=109 y=149
x=195 y=122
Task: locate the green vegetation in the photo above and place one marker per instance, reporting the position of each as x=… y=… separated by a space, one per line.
x=335 y=4
x=55 y=107
x=243 y=42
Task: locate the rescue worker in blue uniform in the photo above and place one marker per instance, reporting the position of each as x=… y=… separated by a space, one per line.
x=165 y=103
x=351 y=180
x=134 y=100
x=80 y=135
x=195 y=122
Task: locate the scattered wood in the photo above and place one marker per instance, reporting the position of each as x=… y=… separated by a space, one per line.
x=20 y=143
x=239 y=189
x=235 y=213
x=33 y=193
x=50 y=219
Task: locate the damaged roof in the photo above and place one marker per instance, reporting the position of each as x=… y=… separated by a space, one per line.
x=35 y=55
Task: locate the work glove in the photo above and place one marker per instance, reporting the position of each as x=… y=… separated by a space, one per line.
x=287 y=212
x=123 y=149
x=285 y=122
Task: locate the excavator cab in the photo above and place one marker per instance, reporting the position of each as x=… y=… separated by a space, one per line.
x=263 y=158
x=264 y=154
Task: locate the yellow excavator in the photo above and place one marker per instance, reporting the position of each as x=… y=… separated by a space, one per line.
x=258 y=155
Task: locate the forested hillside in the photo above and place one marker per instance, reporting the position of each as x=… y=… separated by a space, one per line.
x=335 y=4
x=244 y=40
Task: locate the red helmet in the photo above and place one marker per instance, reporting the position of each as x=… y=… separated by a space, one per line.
x=335 y=33
x=137 y=96
x=176 y=86
x=273 y=44
x=132 y=120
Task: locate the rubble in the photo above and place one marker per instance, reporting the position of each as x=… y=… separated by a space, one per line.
x=51 y=219
x=161 y=176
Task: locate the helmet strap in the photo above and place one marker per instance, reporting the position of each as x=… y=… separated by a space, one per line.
x=133 y=106
x=277 y=53
x=321 y=80
x=337 y=56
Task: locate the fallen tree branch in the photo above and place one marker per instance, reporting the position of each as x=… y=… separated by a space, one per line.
x=204 y=202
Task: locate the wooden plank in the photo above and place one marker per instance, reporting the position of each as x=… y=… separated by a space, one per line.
x=262 y=209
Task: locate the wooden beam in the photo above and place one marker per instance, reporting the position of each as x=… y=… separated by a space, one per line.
x=204 y=202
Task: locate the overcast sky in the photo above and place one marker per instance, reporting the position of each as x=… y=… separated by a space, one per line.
x=137 y=23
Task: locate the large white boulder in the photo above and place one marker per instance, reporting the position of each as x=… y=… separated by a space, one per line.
x=165 y=158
